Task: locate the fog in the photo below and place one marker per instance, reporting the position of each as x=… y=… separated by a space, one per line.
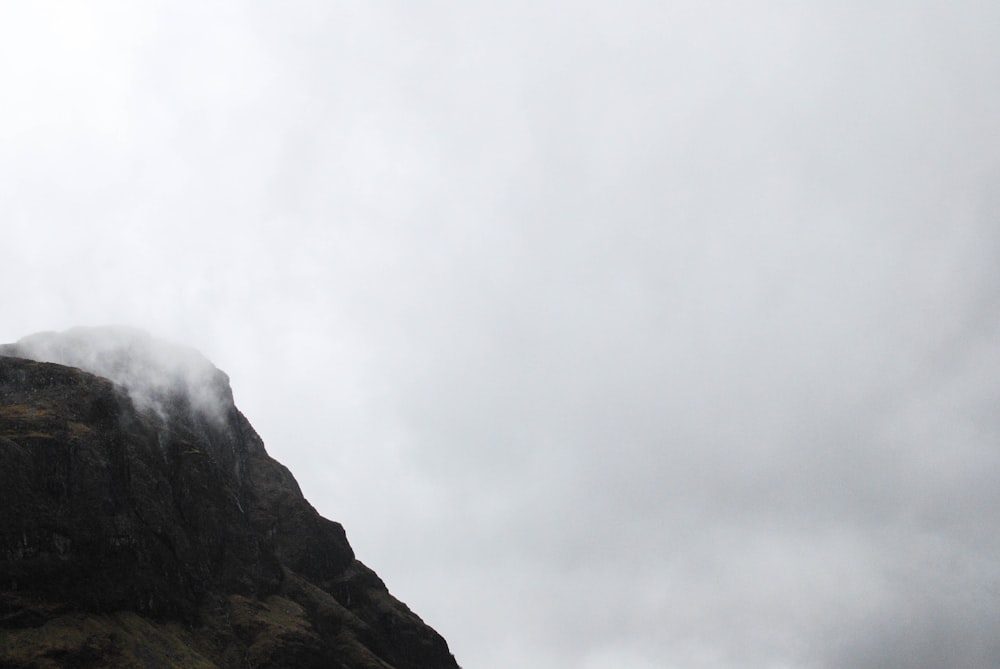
x=645 y=335
x=154 y=373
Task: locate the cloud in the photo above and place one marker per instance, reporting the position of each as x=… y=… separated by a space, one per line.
x=159 y=377
x=667 y=330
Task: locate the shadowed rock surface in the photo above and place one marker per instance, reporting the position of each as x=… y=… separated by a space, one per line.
x=143 y=524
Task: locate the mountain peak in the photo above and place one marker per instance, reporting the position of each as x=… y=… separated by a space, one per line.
x=143 y=524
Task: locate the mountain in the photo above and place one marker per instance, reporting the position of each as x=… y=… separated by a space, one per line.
x=143 y=524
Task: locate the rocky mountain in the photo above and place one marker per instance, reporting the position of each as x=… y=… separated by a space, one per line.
x=143 y=524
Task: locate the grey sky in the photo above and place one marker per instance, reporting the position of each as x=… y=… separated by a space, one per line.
x=642 y=334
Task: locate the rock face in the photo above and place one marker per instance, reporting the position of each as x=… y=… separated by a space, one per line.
x=143 y=524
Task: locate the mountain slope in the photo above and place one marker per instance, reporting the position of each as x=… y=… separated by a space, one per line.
x=143 y=524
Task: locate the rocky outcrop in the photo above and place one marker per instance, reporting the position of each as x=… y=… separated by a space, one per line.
x=143 y=524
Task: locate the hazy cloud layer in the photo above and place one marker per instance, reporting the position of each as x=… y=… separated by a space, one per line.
x=645 y=334
x=158 y=375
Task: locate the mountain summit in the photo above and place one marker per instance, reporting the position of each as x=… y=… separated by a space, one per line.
x=143 y=524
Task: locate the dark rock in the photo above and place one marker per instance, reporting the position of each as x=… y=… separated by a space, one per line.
x=143 y=524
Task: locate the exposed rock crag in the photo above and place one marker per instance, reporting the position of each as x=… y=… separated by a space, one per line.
x=143 y=524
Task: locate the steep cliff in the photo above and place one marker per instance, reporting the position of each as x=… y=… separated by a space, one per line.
x=143 y=524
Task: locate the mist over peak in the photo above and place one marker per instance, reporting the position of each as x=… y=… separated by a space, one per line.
x=159 y=376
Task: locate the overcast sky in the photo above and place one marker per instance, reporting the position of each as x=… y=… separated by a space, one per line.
x=617 y=334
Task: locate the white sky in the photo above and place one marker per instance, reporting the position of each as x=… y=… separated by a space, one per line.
x=634 y=334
